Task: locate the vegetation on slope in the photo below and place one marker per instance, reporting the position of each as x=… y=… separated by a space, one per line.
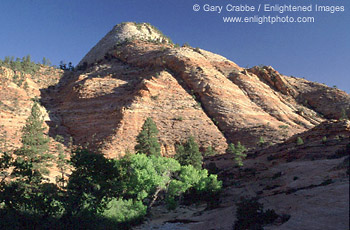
x=99 y=193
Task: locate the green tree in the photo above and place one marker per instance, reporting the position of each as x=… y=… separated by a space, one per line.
x=192 y=181
x=46 y=61
x=300 y=141
x=209 y=151
x=238 y=152
x=35 y=144
x=261 y=142
x=61 y=162
x=125 y=210
x=147 y=141
x=28 y=191
x=145 y=177
x=92 y=183
x=111 y=187
x=189 y=154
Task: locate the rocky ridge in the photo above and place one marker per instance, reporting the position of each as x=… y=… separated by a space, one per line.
x=187 y=91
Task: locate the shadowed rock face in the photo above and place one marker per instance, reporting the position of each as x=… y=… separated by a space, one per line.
x=134 y=72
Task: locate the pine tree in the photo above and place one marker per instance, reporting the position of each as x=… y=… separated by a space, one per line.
x=61 y=161
x=46 y=61
x=34 y=152
x=189 y=154
x=238 y=152
x=28 y=191
x=147 y=141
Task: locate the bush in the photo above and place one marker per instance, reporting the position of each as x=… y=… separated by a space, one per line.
x=196 y=185
x=25 y=64
x=261 y=142
x=300 y=141
x=250 y=215
x=125 y=211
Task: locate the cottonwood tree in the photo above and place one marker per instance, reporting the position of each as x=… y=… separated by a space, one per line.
x=127 y=188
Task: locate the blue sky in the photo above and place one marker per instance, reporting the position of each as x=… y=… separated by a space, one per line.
x=67 y=30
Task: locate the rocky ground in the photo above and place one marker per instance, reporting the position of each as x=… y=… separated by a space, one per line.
x=313 y=191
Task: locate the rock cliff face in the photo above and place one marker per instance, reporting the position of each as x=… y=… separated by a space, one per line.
x=17 y=90
x=135 y=72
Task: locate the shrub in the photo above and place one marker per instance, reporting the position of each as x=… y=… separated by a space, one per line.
x=261 y=142
x=178 y=118
x=125 y=211
x=250 y=214
x=196 y=184
x=25 y=64
x=154 y=97
x=300 y=141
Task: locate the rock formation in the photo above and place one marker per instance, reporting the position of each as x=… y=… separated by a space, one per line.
x=17 y=90
x=135 y=72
